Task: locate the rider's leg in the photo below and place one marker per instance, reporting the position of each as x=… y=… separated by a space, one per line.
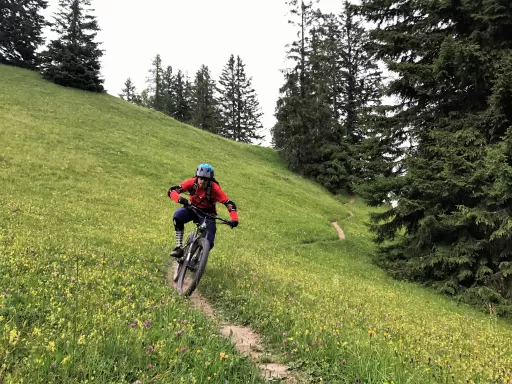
x=212 y=228
x=181 y=217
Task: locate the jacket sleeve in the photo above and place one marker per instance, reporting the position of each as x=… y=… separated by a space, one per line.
x=175 y=191
x=222 y=198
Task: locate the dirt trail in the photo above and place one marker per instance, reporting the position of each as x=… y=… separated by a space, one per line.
x=246 y=341
x=341 y=234
x=335 y=224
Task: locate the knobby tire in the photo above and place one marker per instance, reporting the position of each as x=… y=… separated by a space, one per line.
x=177 y=266
x=202 y=246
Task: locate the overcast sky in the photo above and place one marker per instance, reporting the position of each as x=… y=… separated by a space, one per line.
x=189 y=33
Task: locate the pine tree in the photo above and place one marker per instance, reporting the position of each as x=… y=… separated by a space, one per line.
x=229 y=99
x=251 y=117
x=205 y=114
x=128 y=93
x=21 y=27
x=144 y=99
x=73 y=60
x=380 y=151
x=181 y=87
x=167 y=92
x=453 y=68
x=156 y=86
x=354 y=89
x=300 y=111
x=238 y=104
x=334 y=83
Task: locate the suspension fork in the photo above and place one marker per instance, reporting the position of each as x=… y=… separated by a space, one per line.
x=198 y=233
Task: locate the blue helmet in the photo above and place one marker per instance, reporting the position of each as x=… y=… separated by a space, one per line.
x=204 y=170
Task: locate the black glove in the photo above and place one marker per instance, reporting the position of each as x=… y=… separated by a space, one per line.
x=233 y=223
x=183 y=201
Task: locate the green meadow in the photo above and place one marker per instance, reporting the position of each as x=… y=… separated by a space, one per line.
x=85 y=233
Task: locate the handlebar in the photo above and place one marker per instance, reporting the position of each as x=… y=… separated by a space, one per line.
x=197 y=210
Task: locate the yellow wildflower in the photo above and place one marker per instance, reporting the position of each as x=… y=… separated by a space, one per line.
x=14 y=335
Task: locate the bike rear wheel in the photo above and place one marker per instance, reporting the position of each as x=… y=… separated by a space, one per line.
x=190 y=273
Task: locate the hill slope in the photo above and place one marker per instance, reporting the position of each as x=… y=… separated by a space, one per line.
x=86 y=227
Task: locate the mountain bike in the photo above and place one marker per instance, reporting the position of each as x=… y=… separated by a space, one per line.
x=191 y=266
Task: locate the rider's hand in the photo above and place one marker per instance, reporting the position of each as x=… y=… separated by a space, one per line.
x=183 y=201
x=233 y=223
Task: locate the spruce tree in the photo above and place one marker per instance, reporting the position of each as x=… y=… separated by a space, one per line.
x=354 y=88
x=181 y=97
x=205 y=113
x=251 y=117
x=229 y=99
x=453 y=67
x=144 y=99
x=379 y=153
x=334 y=83
x=238 y=104
x=168 y=97
x=21 y=25
x=128 y=93
x=73 y=60
x=300 y=111
x=156 y=86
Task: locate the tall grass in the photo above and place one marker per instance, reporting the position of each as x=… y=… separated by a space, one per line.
x=86 y=228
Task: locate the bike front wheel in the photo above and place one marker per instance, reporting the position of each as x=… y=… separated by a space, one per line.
x=192 y=269
x=176 y=266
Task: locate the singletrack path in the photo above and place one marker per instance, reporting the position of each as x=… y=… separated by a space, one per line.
x=335 y=224
x=246 y=341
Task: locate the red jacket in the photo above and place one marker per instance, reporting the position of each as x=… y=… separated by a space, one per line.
x=199 y=200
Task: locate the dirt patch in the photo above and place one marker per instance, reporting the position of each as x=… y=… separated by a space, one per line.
x=246 y=341
x=341 y=234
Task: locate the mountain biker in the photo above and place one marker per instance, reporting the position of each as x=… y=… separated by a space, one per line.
x=204 y=192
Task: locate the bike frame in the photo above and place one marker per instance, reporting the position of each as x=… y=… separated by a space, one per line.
x=200 y=231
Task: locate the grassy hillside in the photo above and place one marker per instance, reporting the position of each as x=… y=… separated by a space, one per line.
x=86 y=227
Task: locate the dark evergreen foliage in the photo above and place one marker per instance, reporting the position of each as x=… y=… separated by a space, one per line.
x=238 y=104
x=156 y=85
x=181 y=97
x=295 y=134
x=205 y=113
x=21 y=25
x=73 y=60
x=128 y=93
x=454 y=203
x=144 y=99
x=353 y=88
x=167 y=93
x=326 y=98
